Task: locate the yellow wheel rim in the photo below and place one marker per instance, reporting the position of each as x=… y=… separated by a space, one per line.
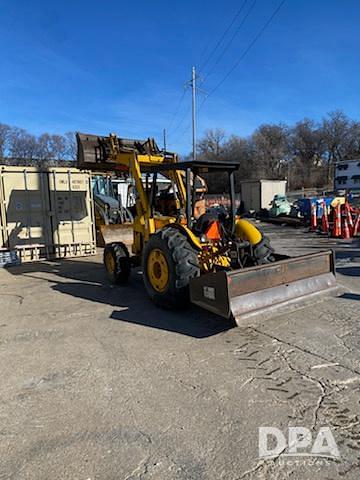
x=109 y=262
x=158 y=270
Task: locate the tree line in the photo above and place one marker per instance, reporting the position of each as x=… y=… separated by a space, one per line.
x=303 y=153
x=18 y=144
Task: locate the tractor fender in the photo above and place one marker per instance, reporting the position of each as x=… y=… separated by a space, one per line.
x=246 y=230
x=194 y=241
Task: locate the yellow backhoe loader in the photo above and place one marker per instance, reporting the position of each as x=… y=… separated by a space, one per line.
x=221 y=263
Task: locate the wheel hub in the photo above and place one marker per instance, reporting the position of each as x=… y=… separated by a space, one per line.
x=109 y=262
x=158 y=270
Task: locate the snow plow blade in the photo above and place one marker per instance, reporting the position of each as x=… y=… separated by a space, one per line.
x=249 y=292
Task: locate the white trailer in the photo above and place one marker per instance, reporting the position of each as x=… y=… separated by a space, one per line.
x=258 y=194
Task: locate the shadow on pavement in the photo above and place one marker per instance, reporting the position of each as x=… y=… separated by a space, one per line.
x=351 y=271
x=350 y=296
x=198 y=324
x=85 y=279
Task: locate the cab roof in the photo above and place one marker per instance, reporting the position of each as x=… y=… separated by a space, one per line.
x=200 y=166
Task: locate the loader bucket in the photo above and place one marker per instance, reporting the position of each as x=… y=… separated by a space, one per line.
x=249 y=292
x=116 y=233
x=94 y=151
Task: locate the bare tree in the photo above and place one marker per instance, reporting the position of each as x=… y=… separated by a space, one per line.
x=352 y=144
x=307 y=148
x=58 y=147
x=306 y=142
x=4 y=138
x=43 y=149
x=51 y=147
x=336 y=131
x=241 y=151
x=304 y=152
x=211 y=145
x=271 y=149
x=17 y=143
x=70 y=146
x=22 y=144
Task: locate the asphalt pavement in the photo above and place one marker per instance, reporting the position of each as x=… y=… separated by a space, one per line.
x=97 y=383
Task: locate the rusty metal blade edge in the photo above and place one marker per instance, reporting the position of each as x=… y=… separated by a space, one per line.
x=271 y=300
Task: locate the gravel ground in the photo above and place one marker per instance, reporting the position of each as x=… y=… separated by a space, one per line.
x=99 y=384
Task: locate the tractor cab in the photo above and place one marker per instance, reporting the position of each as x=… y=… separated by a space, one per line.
x=195 y=185
x=224 y=240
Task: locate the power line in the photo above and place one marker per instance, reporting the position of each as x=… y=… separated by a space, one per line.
x=205 y=63
x=202 y=65
x=191 y=83
x=186 y=113
x=194 y=90
x=246 y=51
x=232 y=38
x=177 y=109
x=180 y=136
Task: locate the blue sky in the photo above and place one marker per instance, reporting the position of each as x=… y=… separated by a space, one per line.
x=116 y=66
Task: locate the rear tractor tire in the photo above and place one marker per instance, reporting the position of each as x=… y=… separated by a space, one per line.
x=169 y=263
x=117 y=262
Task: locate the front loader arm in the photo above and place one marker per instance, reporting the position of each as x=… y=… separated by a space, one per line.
x=112 y=153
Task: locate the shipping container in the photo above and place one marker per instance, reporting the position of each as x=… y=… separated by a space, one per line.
x=258 y=194
x=46 y=213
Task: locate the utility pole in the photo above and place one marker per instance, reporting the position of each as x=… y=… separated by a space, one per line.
x=193 y=88
x=164 y=132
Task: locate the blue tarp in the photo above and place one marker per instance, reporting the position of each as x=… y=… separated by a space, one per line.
x=305 y=205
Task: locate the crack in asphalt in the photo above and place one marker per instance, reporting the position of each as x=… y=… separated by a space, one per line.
x=313 y=380
x=304 y=350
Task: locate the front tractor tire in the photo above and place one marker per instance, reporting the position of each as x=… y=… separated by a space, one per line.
x=117 y=262
x=169 y=263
